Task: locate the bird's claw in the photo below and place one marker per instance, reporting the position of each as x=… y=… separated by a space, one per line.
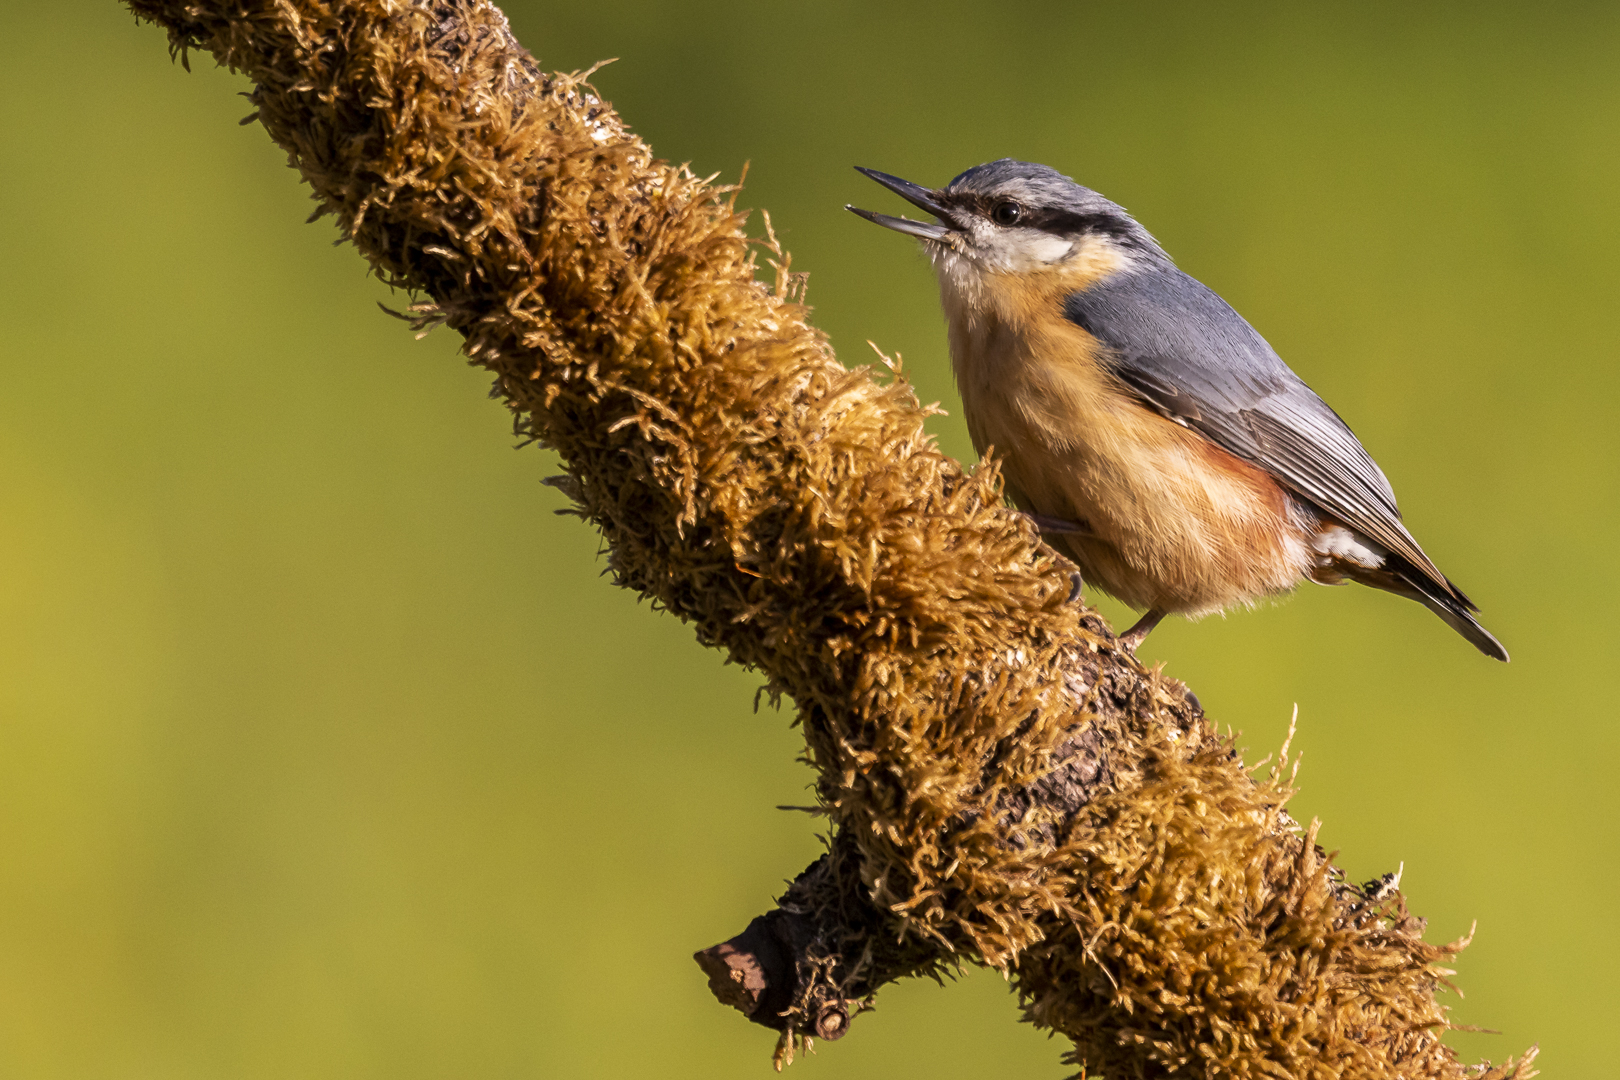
x=1048 y=524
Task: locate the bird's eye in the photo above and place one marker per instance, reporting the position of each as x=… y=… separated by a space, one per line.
x=1006 y=213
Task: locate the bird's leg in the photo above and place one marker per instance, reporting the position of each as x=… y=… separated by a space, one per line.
x=1047 y=523
x=1076 y=583
x=1133 y=638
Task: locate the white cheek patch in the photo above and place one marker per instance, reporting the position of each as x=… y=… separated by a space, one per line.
x=1046 y=249
x=1338 y=543
x=1018 y=250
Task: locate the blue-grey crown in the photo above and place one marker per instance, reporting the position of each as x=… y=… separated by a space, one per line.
x=1057 y=203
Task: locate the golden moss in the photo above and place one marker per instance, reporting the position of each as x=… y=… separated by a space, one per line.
x=798 y=516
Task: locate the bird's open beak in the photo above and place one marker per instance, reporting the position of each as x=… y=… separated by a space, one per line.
x=917 y=196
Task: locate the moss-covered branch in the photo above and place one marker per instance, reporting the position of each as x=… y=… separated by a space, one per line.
x=1006 y=786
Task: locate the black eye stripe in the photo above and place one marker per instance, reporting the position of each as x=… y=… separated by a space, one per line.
x=1054 y=220
x=1069 y=223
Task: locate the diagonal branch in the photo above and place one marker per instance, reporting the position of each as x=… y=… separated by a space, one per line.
x=1006 y=785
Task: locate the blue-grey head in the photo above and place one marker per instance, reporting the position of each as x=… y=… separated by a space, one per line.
x=1015 y=216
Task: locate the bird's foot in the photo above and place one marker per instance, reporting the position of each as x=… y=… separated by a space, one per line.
x=1047 y=523
x=1076 y=583
x=1132 y=639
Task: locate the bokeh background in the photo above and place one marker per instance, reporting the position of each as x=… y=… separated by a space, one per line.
x=327 y=751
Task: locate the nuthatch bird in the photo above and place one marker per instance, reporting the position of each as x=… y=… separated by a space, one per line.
x=1152 y=434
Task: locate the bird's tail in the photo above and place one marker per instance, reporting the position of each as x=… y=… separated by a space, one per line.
x=1455 y=608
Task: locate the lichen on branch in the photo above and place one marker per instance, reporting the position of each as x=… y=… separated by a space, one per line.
x=1006 y=786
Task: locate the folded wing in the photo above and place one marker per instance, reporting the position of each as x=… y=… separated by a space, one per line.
x=1184 y=352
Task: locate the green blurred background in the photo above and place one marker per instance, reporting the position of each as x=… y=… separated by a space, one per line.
x=327 y=751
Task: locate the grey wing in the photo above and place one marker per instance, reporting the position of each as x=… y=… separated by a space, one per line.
x=1184 y=351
